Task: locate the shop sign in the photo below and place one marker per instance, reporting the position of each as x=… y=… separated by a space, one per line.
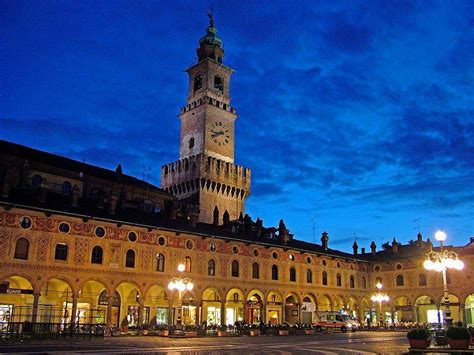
x=15 y=291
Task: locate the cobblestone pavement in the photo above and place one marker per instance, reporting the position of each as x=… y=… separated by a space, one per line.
x=363 y=343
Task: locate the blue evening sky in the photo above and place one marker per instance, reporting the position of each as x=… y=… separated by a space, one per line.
x=357 y=116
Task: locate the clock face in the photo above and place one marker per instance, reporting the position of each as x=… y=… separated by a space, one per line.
x=219 y=133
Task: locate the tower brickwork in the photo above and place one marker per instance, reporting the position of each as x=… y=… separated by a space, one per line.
x=205 y=172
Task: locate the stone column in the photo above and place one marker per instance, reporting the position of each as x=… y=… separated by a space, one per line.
x=110 y=300
x=462 y=311
x=392 y=315
x=141 y=309
x=264 y=312
x=34 y=315
x=170 y=311
x=223 y=313
x=283 y=311
x=246 y=312
x=75 y=296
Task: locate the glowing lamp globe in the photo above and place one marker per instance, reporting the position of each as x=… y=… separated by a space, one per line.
x=440 y=236
x=428 y=264
x=181 y=267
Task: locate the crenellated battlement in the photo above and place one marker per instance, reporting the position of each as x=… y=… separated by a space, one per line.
x=211 y=101
x=208 y=168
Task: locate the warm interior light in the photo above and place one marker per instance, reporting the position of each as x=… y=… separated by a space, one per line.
x=440 y=236
x=379 y=285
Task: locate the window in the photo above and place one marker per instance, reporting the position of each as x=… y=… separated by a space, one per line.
x=351 y=282
x=64 y=227
x=189 y=244
x=25 y=222
x=338 y=265
x=364 y=282
x=191 y=142
x=338 y=280
x=97 y=254
x=160 y=262
x=161 y=241
x=21 y=249
x=309 y=260
x=325 y=278
x=274 y=272
x=422 y=280
x=66 y=187
x=61 y=252
x=197 y=82
x=212 y=246
x=255 y=271
x=292 y=257
x=400 y=281
x=36 y=181
x=218 y=83
x=255 y=252
x=275 y=255
x=235 y=250
x=235 y=268
x=130 y=259
x=211 y=268
x=292 y=274
x=132 y=236
x=100 y=232
x=309 y=276
x=187 y=264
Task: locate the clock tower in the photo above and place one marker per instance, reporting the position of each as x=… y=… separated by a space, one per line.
x=206 y=174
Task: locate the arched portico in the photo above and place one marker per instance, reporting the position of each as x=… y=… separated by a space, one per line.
x=255 y=307
x=469 y=310
x=234 y=306
x=16 y=299
x=56 y=302
x=212 y=308
x=274 y=308
x=308 y=307
x=157 y=303
x=427 y=311
x=131 y=311
x=403 y=311
x=324 y=303
x=292 y=308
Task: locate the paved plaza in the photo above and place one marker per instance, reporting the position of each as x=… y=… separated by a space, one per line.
x=336 y=343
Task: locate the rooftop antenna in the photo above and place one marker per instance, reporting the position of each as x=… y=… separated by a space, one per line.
x=417 y=221
x=314 y=230
x=355 y=236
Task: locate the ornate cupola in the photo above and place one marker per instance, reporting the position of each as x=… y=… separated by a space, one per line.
x=210 y=45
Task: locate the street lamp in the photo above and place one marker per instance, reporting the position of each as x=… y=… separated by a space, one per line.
x=379 y=297
x=180 y=284
x=440 y=262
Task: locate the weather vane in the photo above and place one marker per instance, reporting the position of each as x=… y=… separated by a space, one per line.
x=210 y=14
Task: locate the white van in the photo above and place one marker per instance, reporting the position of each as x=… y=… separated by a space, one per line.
x=334 y=320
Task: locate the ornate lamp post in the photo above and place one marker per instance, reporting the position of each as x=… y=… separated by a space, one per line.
x=379 y=297
x=180 y=284
x=440 y=262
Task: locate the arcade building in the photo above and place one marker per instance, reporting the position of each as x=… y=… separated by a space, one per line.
x=83 y=244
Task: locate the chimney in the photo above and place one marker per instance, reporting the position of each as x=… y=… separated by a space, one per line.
x=355 y=247
x=226 y=218
x=394 y=246
x=324 y=240
x=283 y=232
x=373 y=247
x=215 y=216
x=419 y=238
x=363 y=250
